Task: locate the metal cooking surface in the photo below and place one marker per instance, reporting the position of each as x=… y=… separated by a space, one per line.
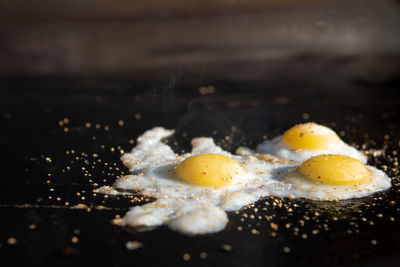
x=47 y=162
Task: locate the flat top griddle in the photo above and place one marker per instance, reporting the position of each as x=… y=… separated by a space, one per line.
x=47 y=161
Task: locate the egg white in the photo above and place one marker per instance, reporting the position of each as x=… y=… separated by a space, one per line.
x=278 y=148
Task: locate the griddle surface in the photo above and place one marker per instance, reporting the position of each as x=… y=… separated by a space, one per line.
x=32 y=108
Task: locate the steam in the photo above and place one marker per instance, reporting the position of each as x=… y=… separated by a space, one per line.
x=205 y=117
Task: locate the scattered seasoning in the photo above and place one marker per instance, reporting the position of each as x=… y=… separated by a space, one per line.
x=226 y=247
x=133 y=245
x=207 y=90
x=117 y=222
x=121 y=123
x=138 y=116
x=32 y=226
x=11 y=241
x=74 y=239
x=186 y=256
x=286 y=249
x=255 y=232
x=374 y=242
x=203 y=255
x=67 y=251
x=315 y=231
x=80 y=206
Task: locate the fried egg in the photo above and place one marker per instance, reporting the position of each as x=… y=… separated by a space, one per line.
x=335 y=177
x=303 y=141
x=194 y=191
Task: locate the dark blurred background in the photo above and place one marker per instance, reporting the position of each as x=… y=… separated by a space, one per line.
x=330 y=41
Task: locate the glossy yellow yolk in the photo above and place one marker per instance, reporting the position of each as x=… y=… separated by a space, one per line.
x=310 y=136
x=210 y=170
x=334 y=170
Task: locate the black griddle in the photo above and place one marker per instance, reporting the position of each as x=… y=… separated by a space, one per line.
x=34 y=150
x=81 y=79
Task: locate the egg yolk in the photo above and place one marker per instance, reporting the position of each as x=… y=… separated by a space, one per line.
x=310 y=136
x=334 y=169
x=210 y=170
